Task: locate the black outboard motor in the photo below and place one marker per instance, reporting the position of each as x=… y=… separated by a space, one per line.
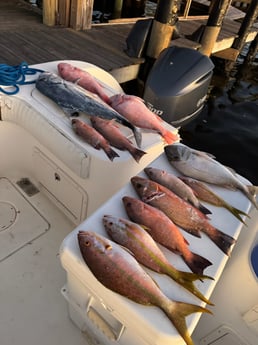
x=177 y=85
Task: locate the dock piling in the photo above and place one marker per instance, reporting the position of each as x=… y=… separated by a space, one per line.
x=218 y=10
x=163 y=25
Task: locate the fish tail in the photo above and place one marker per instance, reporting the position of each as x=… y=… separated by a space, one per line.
x=137 y=135
x=236 y=212
x=251 y=194
x=186 y=279
x=222 y=240
x=177 y=312
x=136 y=153
x=169 y=137
x=111 y=153
x=196 y=263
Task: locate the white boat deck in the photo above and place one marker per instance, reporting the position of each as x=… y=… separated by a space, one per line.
x=33 y=226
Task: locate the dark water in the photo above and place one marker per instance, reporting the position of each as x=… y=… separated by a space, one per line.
x=228 y=125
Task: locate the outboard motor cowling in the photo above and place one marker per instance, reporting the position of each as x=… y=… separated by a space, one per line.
x=177 y=85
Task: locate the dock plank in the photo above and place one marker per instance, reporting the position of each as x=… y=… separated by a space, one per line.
x=23 y=37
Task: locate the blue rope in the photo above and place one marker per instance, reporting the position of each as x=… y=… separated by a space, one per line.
x=15 y=75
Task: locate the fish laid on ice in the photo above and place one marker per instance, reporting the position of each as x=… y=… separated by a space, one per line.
x=164 y=231
x=176 y=185
x=180 y=212
x=118 y=271
x=115 y=137
x=93 y=138
x=202 y=166
x=74 y=99
x=82 y=78
x=204 y=193
x=132 y=236
x=136 y=112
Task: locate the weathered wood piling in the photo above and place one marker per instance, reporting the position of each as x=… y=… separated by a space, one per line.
x=163 y=25
x=218 y=9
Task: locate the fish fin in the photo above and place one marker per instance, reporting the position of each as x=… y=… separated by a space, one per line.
x=236 y=212
x=70 y=112
x=137 y=153
x=127 y=249
x=113 y=122
x=222 y=240
x=137 y=135
x=145 y=228
x=186 y=242
x=76 y=81
x=170 y=137
x=197 y=263
x=203 y=154
x=153 y=196
x=204 y=209
x=194 y=232
x=177 y=312
x=111 y=153
x=252 y=191
x=186 y=279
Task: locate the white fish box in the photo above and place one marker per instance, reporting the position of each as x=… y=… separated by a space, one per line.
x=105 y=316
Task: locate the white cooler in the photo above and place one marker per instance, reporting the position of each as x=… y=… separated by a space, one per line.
x=106 y=317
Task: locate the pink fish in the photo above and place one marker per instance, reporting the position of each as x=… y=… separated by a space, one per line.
x=82 y=78
x=93 y=137
x=164 y=231
x=136 y=112
x=112 y=133
x=180 y=212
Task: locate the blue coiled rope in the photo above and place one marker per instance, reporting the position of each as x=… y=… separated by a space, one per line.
x=15 y=76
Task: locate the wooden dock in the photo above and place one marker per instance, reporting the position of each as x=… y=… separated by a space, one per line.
x=23 y=37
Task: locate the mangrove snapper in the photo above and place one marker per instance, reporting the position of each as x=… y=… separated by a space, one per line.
x=93 y=138
x=82 y=78
x=118 y=271
x=74 y=99
x=180 y=212
x=202 y=166
x=204 y=193
x=164 y=231
x=176 y=185
x=115 y=137
x=136 y=112
x=132 y=236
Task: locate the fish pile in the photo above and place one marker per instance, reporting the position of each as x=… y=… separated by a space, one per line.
x=77 y=92
x=166 y=205
x=119 y=271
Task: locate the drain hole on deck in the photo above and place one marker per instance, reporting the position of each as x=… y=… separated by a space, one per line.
x=27 y=186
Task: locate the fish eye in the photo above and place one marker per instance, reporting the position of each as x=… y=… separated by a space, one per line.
x=87 y=243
